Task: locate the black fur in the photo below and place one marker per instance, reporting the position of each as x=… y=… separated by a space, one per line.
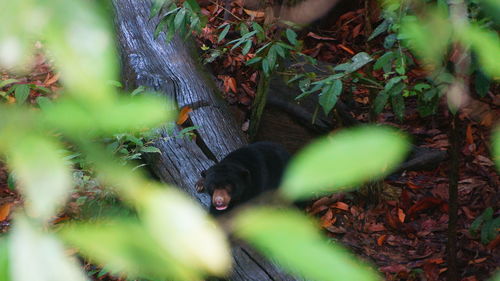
x=248 y=171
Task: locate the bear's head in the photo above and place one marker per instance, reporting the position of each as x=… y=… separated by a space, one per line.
x=225 y=183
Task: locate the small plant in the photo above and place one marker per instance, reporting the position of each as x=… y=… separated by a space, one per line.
x=20 y=92
x=329 y=87
x=486 y=226
x=176 y=18
x=129 y=147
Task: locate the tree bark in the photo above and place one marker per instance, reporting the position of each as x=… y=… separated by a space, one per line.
x=173 y=70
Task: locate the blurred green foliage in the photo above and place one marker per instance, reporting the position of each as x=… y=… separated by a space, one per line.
x=169 y=236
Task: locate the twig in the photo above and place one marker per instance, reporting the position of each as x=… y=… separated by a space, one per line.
x=226 y=10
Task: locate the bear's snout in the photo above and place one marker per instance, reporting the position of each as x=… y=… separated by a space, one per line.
x=221 y=199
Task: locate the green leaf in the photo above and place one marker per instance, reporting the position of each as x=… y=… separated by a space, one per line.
x=243 y=29
x=496 y=146
x=430 y=94
x=4 y=259
x=11 y=181
x=44 y=103
x=486 y=43
x=359 y=60
x=330 y=78
x=155 y=7
x=329 y=96
x=421 y=86
x=224 y=32
x=21 y=93
x=304 y=84
x=193 y=4
x=115 y=83
x=43 y=176
x=482 y=84
x=195 y=22
x=295 y=78
x=42 y=90
x=393 y=85
x=125 y=246
x=150 y=149
x=121 y=117
x=291 y=36
x=279 y=50
x=390 y=40
x=138 y=91
x=263 y=48
x=348 y=158
x=308 y=92
x=247 y=47
x=160 y=27
x=287 y=236
x=179 y=18
x=6 y=82
x=193 y=238
x=490 y=230
x=380 y=101
x=261 y=34
x=271 y=57
x=85 y=67
x=384 y=61
x=398 y=104
x=380 y=29
x=42 y=253
x=253 y=61
x=420 y=35
x=265 y=66
x=286 y=46
x=485 y=216
x=242 y=38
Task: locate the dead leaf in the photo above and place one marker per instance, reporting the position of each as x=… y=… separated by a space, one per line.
x=431 y=271
x=255 y=14
x=392 y=221
x=52 y=79
x=5 y=211
x=346 y=49
x=336 y=229
x=374 y=227
x=327 y=219
x=340 y=205
x=479 y=260
x=436 y=261
x=11 y=100
x=483 y=161
x=381 y=239
x=424 y=204
x=356 y=30
x=316 y=36
x=183 y=115
x=493 y=244
x=61 y=219
x=395 y=268
x=468 y=135
x=401 y=215
x=231 y=83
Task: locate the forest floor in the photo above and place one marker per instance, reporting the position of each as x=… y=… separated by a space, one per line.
x=404 y=232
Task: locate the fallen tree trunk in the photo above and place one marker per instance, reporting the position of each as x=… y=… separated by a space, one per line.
x=173 y=70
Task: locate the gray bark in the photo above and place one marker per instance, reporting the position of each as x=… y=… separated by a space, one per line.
x=175 y=71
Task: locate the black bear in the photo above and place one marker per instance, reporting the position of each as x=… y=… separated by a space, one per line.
x=243 y=174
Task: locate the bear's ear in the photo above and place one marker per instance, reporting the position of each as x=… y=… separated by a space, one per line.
x=203 y=173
